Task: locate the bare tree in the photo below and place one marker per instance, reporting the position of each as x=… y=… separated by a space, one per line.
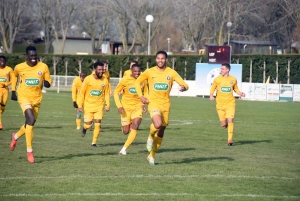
x=12 y=14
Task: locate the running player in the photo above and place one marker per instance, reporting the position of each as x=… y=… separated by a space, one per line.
x=128 y=72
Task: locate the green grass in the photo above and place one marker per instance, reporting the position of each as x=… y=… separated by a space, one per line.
x=194 y=162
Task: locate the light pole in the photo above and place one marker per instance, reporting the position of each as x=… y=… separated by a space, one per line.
x=168 y=39
x=229 y=24
x=149 y=19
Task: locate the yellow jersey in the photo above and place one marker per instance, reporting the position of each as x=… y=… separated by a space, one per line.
x=107 y=75
x=225 y=87
x=6 y=76
x=130 y=98
x=76 y=86
x=159 y=84
x=94 y=94
x=31 y=80
x=127 y=73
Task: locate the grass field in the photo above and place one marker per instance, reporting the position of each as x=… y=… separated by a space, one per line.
x=194 y=162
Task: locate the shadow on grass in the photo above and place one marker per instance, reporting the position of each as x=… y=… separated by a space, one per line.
x=170 y=150
x=121 y=144
x=194 y=160
x=41 y=159
x=243 y=142
x=49 y=127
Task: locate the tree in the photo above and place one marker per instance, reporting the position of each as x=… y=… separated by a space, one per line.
x=12 y=20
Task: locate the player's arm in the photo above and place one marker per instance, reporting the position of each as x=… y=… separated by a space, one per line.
x=10 y=78
x=74 y=94
x=81 y=97
x=237 y=91
x=117 y=91
x=181 y=82
x=47 y=78
x=14 y=81
x=139 y=80
x=107 y=97
x=212 y=89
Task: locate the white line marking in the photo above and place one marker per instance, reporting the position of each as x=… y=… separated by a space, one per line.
x=145 y=194
x=151 y=176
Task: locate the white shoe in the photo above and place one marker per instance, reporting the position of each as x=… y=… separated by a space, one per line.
x=151 y=160
x=149 y=144
x=78 y=128
x=123 y=152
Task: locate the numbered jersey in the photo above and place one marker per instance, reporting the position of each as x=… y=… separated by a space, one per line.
x=224 y=87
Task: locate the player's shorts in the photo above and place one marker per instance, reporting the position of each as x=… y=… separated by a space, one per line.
x=162 y=111
x=3 y=96
x=226 y=112
x=89 y=116
x=131 y=114
x=25 y=104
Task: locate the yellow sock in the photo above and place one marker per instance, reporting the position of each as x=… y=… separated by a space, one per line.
x=156 y=144
x=96 y=132
x=153 y=131
x=21 y=132
x=230 y=131
x=78 y=122
x=29 y=137
x=131 y=138
x=87 y=126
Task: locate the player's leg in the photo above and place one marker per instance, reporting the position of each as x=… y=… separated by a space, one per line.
x=136 y=116
x=78 y=119
x=223 y=121
x=230 y=111
x=3 y=101
x=30 y=120
x=156 y=124
x=88 y=118
x=158 y=137
x=97 y=124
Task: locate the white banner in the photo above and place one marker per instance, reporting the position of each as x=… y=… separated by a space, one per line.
x=273 y=92
x=248 y=89
x=260 y=91
x=286 y=92
x=296 y=96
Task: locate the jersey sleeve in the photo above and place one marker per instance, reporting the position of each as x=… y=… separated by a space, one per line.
x=139 y=80
x=180 y=81
x=83 y=89
x=118 y=89
x=14 y=79
x=213 y=87
x=47 y=75
x=74 y=91
x=11 y=77
x=235 y=87
x=107 y=94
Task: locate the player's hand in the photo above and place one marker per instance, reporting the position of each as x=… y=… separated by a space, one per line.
x=46 y=84
x=182 y=88
x=107 y=108
x=144 y=109
x=111 y=94
x=242 y=94
x=121 y=110
x=75 y=104
x=211 y=97
x=79 y=109
x=14 y=96
x=144 y=100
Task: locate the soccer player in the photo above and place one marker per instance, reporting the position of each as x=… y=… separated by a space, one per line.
x=94 y=94
x=33 y=75
x=130 y=108
x=225 y=84
x=160 y=80
x=128 y=72
x=76 y=86
x=6 y=76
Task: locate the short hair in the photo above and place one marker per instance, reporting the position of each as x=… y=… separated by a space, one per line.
x=104 y=61
x=98 y=63
x=134 y=61
x=135 y=65
x=227 y=65
x=3 y=57
x=30 y=48
x=82 y=74
x=162 y=52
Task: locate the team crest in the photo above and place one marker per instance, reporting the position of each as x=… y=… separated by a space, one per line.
x=40 y=73
x=168 y=78
x=231 y=82
x=102 y=85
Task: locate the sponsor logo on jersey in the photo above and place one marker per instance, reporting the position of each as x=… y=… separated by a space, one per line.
x=32 y=82
x=3 y=79
x=40 y=73
x=226 y=89
x=103 y=85
x=95 y=92
x=160 y=86
x=168 y=78
x=132 y=90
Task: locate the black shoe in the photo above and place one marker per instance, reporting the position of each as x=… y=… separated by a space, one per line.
x=83 y=132
x=230 y=143
x=94 y=145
